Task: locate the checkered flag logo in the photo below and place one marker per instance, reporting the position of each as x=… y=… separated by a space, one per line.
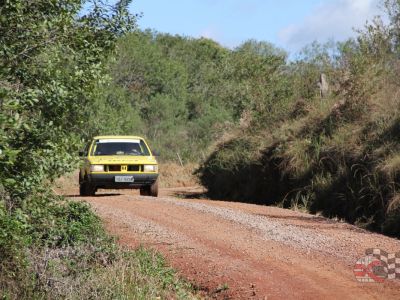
x=390 y=262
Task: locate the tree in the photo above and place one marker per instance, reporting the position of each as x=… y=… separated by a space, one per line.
x=51 y=68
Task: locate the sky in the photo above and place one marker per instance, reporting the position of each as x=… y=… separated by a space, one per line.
x=290 y=24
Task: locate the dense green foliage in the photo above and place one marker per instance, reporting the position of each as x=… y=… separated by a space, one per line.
x=53 y=61
x=50 y=64
x=183 y=93
x=62 y=251
x=50 y=67
x=338 y=155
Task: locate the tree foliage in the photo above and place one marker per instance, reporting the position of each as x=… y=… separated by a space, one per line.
x=186 y=92
x=51 y=65
x=53 y=58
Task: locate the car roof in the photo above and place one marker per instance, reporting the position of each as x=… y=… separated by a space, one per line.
x=118 y=137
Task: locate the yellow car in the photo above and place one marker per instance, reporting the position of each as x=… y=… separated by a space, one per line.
x=118 y=162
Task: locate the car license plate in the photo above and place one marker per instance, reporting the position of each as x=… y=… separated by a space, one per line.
x=124 y=179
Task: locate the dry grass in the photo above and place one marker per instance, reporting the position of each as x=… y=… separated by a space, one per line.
x=394 y=203
x=87 y=273
x=341 y=156
x=296 y=158
x=391 y=166
x=173 y=175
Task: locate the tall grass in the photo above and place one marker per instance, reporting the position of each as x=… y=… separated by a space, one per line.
x=62 y=251
x=338 y=156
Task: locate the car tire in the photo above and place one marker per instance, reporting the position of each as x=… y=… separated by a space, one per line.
x=80 y=178
x=154 y=189
x=86 y=189
x=151 y=190
x=145 y=191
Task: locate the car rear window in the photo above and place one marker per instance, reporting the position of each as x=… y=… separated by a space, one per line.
x=119 y=147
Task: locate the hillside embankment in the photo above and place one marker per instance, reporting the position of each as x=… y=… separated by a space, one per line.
x=336 y=153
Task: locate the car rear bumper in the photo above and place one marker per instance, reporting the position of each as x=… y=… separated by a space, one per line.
x=107 y=181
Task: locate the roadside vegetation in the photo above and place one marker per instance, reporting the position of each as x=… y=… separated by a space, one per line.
x=337 y=155
x=53 y=58
x=183 y=93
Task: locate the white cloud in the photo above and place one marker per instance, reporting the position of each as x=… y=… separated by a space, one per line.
x=334 y=19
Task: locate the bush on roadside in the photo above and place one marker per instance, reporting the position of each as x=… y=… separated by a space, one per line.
x=52 y=78
x=337 y=155
x=56 y=248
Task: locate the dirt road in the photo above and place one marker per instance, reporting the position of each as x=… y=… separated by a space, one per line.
x=234 y=250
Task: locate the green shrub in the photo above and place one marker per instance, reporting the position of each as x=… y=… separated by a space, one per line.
x=337 y=156
x=13 y=238
x=55 y=222
x=53 y=79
